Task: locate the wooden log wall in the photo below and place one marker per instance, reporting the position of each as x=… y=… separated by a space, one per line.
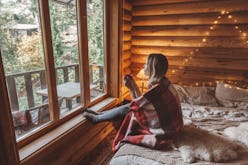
x=126 y=41
x=72 y=148
x=205 y=41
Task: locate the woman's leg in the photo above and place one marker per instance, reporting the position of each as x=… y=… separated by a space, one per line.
x=109 y=115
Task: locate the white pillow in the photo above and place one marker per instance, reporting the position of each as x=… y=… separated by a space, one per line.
x=197 y=95
x=231 y=96
x=181 y=93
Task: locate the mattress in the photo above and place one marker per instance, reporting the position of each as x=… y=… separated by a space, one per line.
x=214 y=119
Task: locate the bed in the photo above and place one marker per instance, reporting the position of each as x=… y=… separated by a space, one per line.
x=216 y=116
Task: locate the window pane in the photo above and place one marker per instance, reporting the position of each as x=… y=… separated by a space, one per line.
x=23 y=59
x=65 y=49
x=95 y=12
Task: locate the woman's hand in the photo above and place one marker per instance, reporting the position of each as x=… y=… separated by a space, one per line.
x=132 y=86
x=128 y=81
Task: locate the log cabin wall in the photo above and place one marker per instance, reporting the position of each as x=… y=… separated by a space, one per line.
x=126 y=41
x=205 y=41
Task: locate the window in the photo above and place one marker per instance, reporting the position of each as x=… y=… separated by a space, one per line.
x=65 y=51
x=95 y=13
x=23 y=60
x=54 y=60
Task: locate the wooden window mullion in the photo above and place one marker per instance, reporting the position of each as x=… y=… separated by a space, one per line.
x=9 y=152
x=83 y=50
x=49 y=59
x=106 y=43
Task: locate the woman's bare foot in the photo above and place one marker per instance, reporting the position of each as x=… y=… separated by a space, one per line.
x=91 y=117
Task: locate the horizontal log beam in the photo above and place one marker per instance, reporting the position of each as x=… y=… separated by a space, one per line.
x=235 y=64
x=127 y=36
x=195 y=82
x=127 y=15
x=189 y=19
x=126 y=63
x=127 y=5
x=127 y=45
x=175 y=69
x=126 y=54
x=230 y=53
x=191 y=7
x=188 y=30
x=155 y=2
x=202 y=73
x=127 y=26
x=232 y=42
x=127 y=71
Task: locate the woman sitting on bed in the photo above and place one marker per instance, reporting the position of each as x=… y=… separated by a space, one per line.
x=153 y=119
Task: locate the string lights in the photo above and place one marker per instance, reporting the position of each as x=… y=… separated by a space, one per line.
x=212 y=27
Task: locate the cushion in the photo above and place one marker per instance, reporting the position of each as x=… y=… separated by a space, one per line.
x=181 y=93
x=34 y=116
x=19 y=118
x=231 y=96
x=197 y=95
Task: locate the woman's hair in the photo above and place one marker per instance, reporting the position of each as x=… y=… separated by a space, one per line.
x=157 y=66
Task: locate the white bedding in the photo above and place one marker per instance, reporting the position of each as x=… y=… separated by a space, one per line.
x=214 y=119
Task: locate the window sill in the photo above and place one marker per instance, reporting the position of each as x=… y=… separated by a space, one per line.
x=59 y=132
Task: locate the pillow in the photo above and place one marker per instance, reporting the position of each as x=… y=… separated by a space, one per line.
x=197 y=95
x=231 y=96
x=34 y=116
x=19 y=118
x=181 y=93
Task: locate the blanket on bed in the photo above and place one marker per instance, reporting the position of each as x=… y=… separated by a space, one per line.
x=154 y=119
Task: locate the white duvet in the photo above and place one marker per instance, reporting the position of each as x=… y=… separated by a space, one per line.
x=239 y=133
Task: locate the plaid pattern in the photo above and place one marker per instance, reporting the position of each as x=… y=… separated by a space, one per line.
x=154 y=119
x=19 y=118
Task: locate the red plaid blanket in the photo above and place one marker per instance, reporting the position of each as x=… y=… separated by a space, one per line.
x=153 y=120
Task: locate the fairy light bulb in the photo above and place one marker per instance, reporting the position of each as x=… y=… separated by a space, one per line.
x=215 y=22
x=219 y=17
x=173 y=71
x=244 y=34
x=207 y=33
x=235 y=20
x=230 y=17
x=211 y=28
x=204 y=40
x=236 y=27
x=223 y=12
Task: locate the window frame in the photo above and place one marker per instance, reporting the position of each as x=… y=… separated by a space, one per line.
x=110 y=55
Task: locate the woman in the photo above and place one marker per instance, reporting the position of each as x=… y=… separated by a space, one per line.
x=153 y=119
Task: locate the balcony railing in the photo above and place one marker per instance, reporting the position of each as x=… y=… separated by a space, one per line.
x=29 y=85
